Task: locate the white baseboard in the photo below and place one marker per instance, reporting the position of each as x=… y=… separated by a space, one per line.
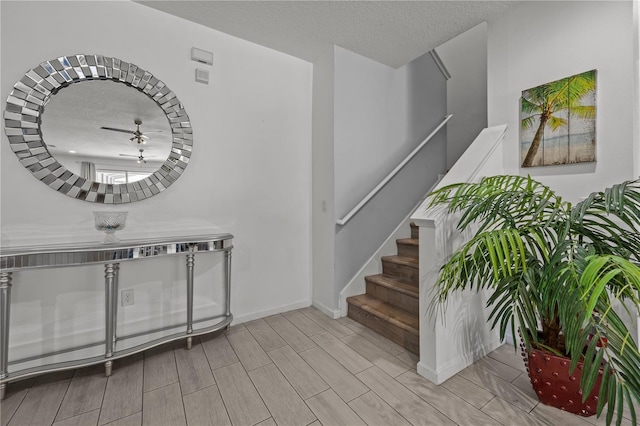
x=331 y=313
x=239 y=319
x=431 y=374
x=455 y=365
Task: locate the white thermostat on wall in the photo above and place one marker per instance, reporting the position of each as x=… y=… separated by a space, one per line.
x=201 y=56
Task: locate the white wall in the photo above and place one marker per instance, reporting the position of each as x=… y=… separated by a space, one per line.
x=576 y=36
x=370 y=134
x=322 y=184
x=465 y=57
x=636 y=73
x=249 y=174
x=539 y=42
x=381 y=115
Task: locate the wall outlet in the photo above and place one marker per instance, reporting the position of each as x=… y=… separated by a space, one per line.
x=126 y=297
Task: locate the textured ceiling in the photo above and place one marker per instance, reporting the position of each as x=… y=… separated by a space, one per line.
x=390 y=32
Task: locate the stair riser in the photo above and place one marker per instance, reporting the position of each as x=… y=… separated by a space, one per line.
x=407 y=272
x=407 y=250
x=409 y=341
x=415 y=231
x=395 y=298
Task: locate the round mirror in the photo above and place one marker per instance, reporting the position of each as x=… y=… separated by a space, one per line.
x=119 y=136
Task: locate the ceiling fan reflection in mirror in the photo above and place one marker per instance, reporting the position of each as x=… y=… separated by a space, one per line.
x=138 y=136
x=141 y=158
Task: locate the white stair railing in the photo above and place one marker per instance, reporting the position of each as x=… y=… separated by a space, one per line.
x=343 y=221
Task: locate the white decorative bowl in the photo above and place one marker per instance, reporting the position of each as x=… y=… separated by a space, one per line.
x=110 y=222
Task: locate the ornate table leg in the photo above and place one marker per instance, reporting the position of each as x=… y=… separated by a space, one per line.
x=114 y=307
x=227 y=274
x=110 y=297
x=190 y=263
x=5 y=305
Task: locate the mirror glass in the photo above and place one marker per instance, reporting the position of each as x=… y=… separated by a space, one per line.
x=98 y=129
x=94 y=123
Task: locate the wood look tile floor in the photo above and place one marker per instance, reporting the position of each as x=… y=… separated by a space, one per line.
x=297 y=368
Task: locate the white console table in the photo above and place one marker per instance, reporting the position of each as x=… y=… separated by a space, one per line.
x=18 y=259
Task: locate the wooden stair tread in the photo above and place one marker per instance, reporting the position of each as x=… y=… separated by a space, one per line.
x=407 y=261
x=386 y=312
x=396 y=284
x=391 y=305
x=409 y=241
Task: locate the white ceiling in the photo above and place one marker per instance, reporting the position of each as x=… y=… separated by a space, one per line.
x=391 y=32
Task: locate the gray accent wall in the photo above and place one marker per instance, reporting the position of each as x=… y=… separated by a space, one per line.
x=465 y=56
x=380 y=115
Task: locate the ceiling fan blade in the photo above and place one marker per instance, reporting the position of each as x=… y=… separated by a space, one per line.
x=113 y=129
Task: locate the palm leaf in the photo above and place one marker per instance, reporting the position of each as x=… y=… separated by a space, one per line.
x=529 y=122
x=583 y=111
x=556 y=122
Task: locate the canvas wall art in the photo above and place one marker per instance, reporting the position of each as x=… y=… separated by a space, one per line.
x=558 y=122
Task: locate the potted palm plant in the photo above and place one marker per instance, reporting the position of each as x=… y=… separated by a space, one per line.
x=565 y=276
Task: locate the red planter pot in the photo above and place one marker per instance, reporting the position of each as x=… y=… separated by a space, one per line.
x=554 y=385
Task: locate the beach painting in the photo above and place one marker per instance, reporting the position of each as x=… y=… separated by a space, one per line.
x=558 y=122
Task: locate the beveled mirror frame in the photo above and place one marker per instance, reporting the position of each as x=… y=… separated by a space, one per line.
x=30 y=95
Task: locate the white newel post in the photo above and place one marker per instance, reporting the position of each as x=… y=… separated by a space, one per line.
x=428 y=364
x=450 y=342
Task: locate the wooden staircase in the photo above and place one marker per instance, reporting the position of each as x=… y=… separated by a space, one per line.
x=390 y=305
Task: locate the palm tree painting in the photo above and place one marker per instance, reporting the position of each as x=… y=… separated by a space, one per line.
x=558 y=122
